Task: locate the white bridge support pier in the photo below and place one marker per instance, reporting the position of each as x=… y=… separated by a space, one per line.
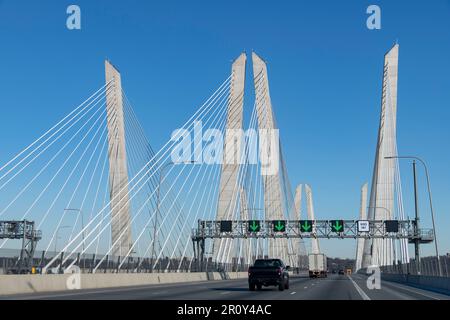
x=315 y=248
x=229 y=188
x=245 y=247
x=382 y=195
x=118 y=175
x=362 y=216
x=296 y=243
x=273 y=208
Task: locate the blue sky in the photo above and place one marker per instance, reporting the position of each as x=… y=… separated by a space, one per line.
x=325 y=71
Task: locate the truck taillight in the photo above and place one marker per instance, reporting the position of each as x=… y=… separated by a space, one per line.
x=279 y=271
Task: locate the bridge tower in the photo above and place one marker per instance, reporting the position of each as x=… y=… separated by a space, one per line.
x=296 y=243
x=273 y=208
x=298 y=202
x=229 y=189
x=381 y=204
x=315 y=248
x=245 y=243
x=362 y=216
x=118 y=174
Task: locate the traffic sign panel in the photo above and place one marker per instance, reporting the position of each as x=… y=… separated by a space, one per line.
x=254 y=226
x=363 y=226
x=337 y=226
x=279 y=225
x=226 y=226
x=306 y=225
x=391 y=225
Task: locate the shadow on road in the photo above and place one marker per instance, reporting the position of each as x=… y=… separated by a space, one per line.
x=245 y=289
x=230 y=289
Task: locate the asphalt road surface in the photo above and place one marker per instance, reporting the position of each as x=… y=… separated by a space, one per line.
x=335 y=287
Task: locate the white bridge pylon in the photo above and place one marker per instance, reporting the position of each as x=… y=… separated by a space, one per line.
x=385 y=201
x=269 y=197
x=98 y=191
x=118 y=172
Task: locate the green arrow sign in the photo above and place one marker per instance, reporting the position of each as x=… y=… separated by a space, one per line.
x=337 y=226
x=254 y=226
x=279 y=225
x=306 y=225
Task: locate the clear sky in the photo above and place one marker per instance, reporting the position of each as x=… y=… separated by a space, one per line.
x=325 y=71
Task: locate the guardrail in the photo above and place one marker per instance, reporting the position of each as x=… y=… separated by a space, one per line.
x=429 y=266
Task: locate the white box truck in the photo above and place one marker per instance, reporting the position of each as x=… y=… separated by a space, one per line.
x=317 y=265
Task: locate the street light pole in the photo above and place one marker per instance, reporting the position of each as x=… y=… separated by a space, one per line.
x=384 y=208
x=56 y=235
x=161 y=174
x=431 y=202
x=387 y=210
x=416 y=225
x=80 y=213
x=82 y=224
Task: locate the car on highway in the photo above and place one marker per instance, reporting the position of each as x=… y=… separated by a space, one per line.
x=268 y=272
x=341 y=272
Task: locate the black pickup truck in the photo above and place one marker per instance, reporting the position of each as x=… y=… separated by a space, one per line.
x=268 y=272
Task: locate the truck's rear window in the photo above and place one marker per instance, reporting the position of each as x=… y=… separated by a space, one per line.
x=267 y=263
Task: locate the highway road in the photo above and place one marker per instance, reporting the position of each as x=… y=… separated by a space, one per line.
x=335 y=287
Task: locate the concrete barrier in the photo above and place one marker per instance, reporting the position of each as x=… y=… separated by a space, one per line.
x=216 y=276
x=21 y=284
x=432 y=283
x=237 y=275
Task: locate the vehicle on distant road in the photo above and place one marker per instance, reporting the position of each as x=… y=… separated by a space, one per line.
x=317 y=265
x=268 y=272
x=341 y=272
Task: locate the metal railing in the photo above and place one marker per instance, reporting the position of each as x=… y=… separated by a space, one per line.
x=110 y=264
x=429 y=266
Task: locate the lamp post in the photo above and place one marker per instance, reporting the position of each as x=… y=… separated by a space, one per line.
x=56 y=235
x=430 y=200
x=80 y=213
x=161 y=174
x=384 y=208
x=82 y=223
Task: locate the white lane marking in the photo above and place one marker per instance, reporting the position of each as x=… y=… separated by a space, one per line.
x=226 y=292
x=360 y=291
x=293 y=292
x=413 y=291
x=305 y=287
x=313 y=284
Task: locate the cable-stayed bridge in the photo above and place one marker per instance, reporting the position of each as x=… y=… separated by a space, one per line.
x=97 y=190
x=98 y=197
